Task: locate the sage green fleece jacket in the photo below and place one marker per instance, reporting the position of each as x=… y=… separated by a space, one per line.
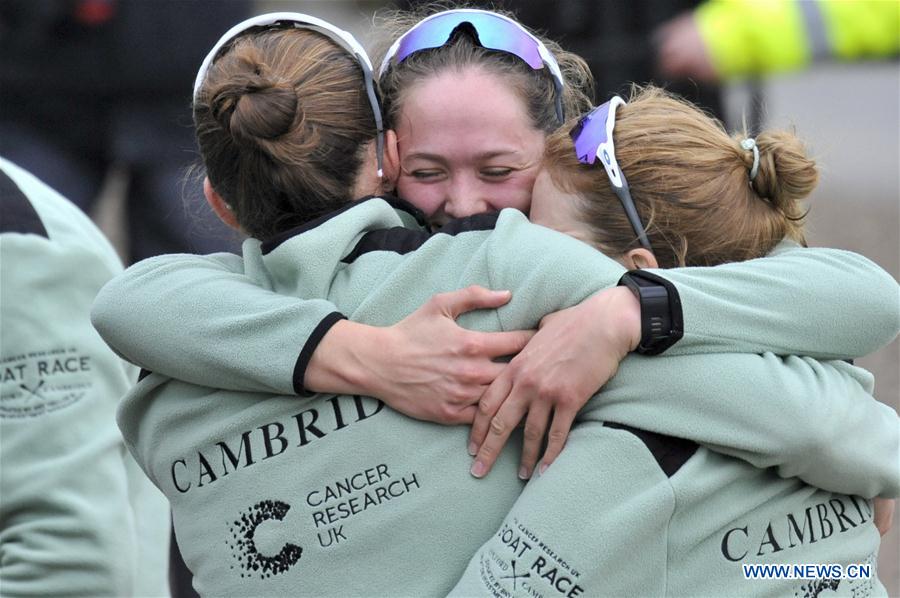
x=191 y=317
x=329 y=495
x=218 y=321
x=77 y=515
x=625 y=512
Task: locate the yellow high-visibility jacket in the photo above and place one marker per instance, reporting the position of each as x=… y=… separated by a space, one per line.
x=747 y=37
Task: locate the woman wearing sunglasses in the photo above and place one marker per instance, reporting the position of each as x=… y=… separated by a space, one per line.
x=363 y=480
x=470 y=122
x=661 y=516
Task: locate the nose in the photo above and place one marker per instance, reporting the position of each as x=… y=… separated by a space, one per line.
x=464 y=198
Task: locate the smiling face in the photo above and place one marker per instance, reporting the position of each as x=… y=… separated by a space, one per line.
x=466 y=146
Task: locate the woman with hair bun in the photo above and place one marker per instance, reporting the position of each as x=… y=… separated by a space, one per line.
x=703 y=197
x=634 y=511
x=272 y=495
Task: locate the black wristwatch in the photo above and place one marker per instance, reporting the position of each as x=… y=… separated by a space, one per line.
x=662 y=324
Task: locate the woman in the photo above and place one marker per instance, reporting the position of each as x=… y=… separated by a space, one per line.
x=663 y=516
x=77 y=513
x=452 y=146
x=223 y=463
x=559 y=364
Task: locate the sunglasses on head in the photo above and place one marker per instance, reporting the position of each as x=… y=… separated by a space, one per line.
x=593 y=137
x=494 y=31
x=301 y=21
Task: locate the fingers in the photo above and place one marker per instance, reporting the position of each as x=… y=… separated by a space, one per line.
x=490 y=402
x=535 y=426
x=556 y=439
x=498 y=344
x=501 y=426
x=486 y=375
x=467 y=415
x=458 y=302
x=460 y=417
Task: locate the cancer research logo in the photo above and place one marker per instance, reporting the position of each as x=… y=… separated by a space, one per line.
x=243 y=541
x=816 y=587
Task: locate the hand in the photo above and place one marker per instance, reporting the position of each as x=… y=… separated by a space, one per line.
x=884 y=514
x=681 y=52
x=425 y=366
x=573 y=354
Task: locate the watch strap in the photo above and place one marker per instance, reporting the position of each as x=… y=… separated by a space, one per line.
x=662 y=322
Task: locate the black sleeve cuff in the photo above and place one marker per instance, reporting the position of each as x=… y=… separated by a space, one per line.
x=306 y=353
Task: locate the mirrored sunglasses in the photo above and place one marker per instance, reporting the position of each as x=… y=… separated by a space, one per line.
x=593 y=138
x=495 y=32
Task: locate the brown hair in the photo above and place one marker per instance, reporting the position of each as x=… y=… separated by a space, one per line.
x=281 y=119
x=690 y=183
x=535 y=87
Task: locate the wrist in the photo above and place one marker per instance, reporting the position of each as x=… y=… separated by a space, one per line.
x=661 y=319
x=339 y=363
x=619 y=311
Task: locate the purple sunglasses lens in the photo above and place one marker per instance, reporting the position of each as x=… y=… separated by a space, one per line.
x=589 y=133
x=493 y=33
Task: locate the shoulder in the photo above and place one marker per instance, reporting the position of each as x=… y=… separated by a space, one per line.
x=34 y=217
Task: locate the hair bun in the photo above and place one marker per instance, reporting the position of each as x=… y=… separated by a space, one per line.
x=253 y=107
x=786 y=174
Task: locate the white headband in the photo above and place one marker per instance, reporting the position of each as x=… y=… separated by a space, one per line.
x=301 y=21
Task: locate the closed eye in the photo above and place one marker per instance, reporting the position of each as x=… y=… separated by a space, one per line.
x=496 y=172
x=423 y=175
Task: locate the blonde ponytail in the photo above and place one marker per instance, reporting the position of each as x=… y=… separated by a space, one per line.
x=691 y=184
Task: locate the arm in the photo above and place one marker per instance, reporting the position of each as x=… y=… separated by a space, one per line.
x=238 y=332
x=204 y=320
x=213 y=320
x=547 y=271
x=811 y=420
x=741 y=307
x=793 y=302
x=824 y=303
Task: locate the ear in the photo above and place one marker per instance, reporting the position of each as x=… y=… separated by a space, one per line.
x=218 y=205
x=638 y=259
x=391 y=163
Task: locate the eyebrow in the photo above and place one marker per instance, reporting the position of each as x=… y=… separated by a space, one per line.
x=479 y=157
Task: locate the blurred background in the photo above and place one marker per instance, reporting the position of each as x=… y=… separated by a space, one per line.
x=95 y=94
